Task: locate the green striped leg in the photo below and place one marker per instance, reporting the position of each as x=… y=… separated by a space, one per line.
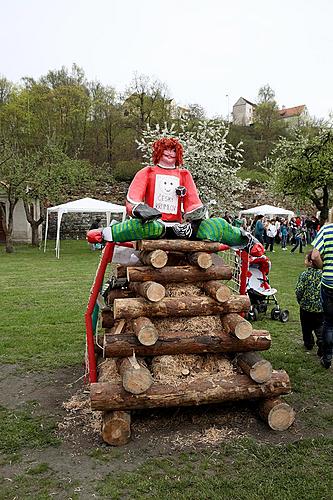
x=218 y=229
x=134 y=229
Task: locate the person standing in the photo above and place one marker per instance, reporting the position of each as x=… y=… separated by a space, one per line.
x=271 y=232
x=284 y=234
x=259 y=228
x=307 y=293
x=322 y=255
x=298 y=241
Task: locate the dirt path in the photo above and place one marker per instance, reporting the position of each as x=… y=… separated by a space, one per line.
x=83 y=457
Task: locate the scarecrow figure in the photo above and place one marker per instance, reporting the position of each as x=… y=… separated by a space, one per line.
x=163 y=202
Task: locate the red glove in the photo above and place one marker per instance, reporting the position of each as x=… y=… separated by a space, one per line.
x=95 y=236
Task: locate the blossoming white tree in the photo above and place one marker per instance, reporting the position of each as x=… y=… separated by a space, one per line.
x=212 y=161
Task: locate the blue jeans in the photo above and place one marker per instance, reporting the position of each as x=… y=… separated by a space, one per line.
x=284 y=240
x=326 y=295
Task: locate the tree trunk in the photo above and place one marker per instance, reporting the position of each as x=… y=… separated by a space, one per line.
x=136 y=378
x=217 y=290
x=116 y=427
x=278 y=414
x=259 y=369
x=8 y=226
x=145 y=331
x=201 y=259
x=156 y=258
x=180 y=274
x=154 y=292
x=179 y=245
x=236 y=325
x=203 y=390
x=178 y=306
x=29 y=212
x=184 y=343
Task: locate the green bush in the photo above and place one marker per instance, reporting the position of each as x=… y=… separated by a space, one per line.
x=126 y=169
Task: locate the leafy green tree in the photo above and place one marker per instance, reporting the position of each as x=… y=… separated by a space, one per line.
x=267 y=120
x=302 y=168
x=47 y=175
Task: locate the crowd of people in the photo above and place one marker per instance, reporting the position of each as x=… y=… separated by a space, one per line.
x=294 y=233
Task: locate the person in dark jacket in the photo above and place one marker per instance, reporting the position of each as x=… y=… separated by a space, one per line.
x=311 y=312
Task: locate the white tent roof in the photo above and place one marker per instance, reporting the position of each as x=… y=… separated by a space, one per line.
x=83 y=205
x=267 y=210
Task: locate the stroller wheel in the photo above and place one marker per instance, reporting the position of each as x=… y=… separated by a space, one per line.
x=253 y=314
x=284 y=316
x=275 y=313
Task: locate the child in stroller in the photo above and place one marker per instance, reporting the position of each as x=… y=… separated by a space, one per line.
x=260 y=292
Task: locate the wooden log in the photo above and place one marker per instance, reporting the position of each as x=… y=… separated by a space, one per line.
x=118 y=293
x=235 y=324
x=201 y=259
x=150 y=290
x=136 y=378
x=116 y=427
x=145 y=331
x=278 y=414
x=259 y=369
x=203 y=390
x=178 y=306
x=180 y=274
x=107 y=318
x=179 y=245
x=217 y=290
x=108 y=371
x=185 y=343
x=156 y=258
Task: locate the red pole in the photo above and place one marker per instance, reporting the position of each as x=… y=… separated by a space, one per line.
x=244 y=270
x=106 y=257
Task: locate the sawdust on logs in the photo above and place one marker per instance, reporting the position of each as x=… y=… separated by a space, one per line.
x=183 y=290
x=171 y=369
x=79 y=415
x=195 y=324
x=109 y=371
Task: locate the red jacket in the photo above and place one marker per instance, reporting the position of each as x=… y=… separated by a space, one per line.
x=156 y=186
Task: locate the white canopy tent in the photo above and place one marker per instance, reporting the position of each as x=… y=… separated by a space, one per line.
x=84 y=205
x=269 y=210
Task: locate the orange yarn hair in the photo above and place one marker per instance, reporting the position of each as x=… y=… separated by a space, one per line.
x=167 y=143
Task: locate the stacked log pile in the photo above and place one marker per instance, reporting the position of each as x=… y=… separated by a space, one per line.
x=175 y=335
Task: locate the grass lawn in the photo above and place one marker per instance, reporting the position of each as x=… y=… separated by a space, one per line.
x=43 y=301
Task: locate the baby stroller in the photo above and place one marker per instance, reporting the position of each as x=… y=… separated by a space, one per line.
x=260 y=292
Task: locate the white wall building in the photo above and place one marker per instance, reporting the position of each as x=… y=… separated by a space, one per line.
x=21 y=227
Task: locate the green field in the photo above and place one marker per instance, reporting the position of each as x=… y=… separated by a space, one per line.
x=43 y=301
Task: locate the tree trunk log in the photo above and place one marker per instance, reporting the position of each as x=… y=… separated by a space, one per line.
x=178 y=306
x=235 y=324
x=217 y=290
x=205 y=390
x=179 y=245
x=201 y=259
x=145 y=331
x=116 y=427
x=278 y=414
x=107 y=318
x=136 y=377
x=156 y=258
x=180 y=274
x=150 y=290
x=118 y=293
x=259 y=369
x=185 y=343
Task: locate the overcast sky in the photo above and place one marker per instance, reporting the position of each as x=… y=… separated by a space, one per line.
x=204 y=50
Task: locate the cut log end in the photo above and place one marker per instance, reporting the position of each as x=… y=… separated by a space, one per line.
x=261 y=372
x=155 y=292
x=243 y=330
x=278 y=414
x=116 y=427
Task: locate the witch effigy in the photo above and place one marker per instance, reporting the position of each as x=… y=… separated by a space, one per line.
x=163 y=202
